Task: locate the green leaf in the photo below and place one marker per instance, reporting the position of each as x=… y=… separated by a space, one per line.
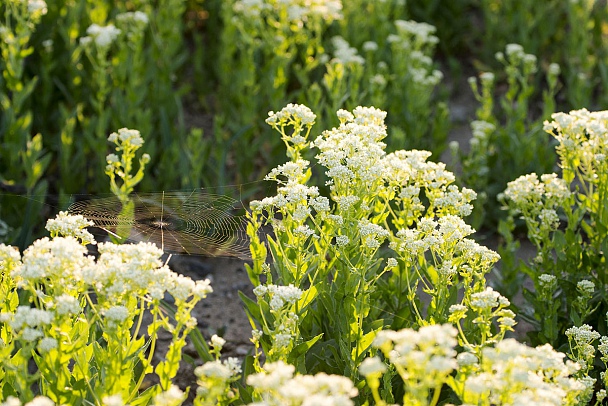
x=363 y=344
x=307 y=297
x=251 y=307
x=559 y=242
x=302 y=348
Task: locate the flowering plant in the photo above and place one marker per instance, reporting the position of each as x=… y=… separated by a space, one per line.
x=328 y=253
x=507 y=140
x=566 y=221
x=81 y=321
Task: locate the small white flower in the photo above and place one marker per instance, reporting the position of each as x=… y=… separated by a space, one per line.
x=345 y=116
x=30 y=334
x=488 y=299
x=295 y=112
x=514 y=50
x=217 y=342
x=344 y=53
x=466 y=359
x=47 y=344
x=256 y=334
x=116 y=314
x=171 y=397
x=554 y=69
x=234 y=364
x=304 y=231
x=66 y=304
x=583 y=334
x=290 y=294
x=260 y=290
x=103 y=36
x=586 y=287
x=26 y=316
x=457 y=308
x=213 y=369
x=371 y=366
x=40 y=401
x=391 y=263
x=37 y=6
x=127 y=136
x=370 y=46
x=346 y=202
x=11 y=401
x=112 y=159
x=113 y=400
x=546 y=280
x=138 y=17
x=282 y=340
x=320 y=204
x=66 y=225
x=182 y=287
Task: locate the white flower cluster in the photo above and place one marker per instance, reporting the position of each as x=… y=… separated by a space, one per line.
x=515 y=374
x=37 y=7
x=171 y=397
x=370 y=46
x=112 y=400
x=250 y=8
x=581 y=342
x=126 y=268
x=537 y=201
x=586 y=288
x=372 y=366
x=488 y=299
x=527 y=190
x=103 y=36
x=116 y=314
x=427 y=356
x=278 y=385
x=28 y=322
x=410 y=172
x=47 y=344
x=353 y=153
x=292 y=113
x=344 y=53
x=516 y=57
x=547 y=285
x=127 y=136
x=66 y=225
x=583 y=142
x=9 y=258
x=37 y=401
x=582 y=334
x=66 y=304
x=446 y=235
x=122 y=270
x=279 y=295
x=293 y=198
x=133 y=23
x=138 y=18
x=61 y=262
x=135 y=269
x=372 y=235
x=297 y=11
x=291 y=170
x=219 y=369
x=481 y=133
x=217 y=342
x=417 y=40
x=422 y=31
